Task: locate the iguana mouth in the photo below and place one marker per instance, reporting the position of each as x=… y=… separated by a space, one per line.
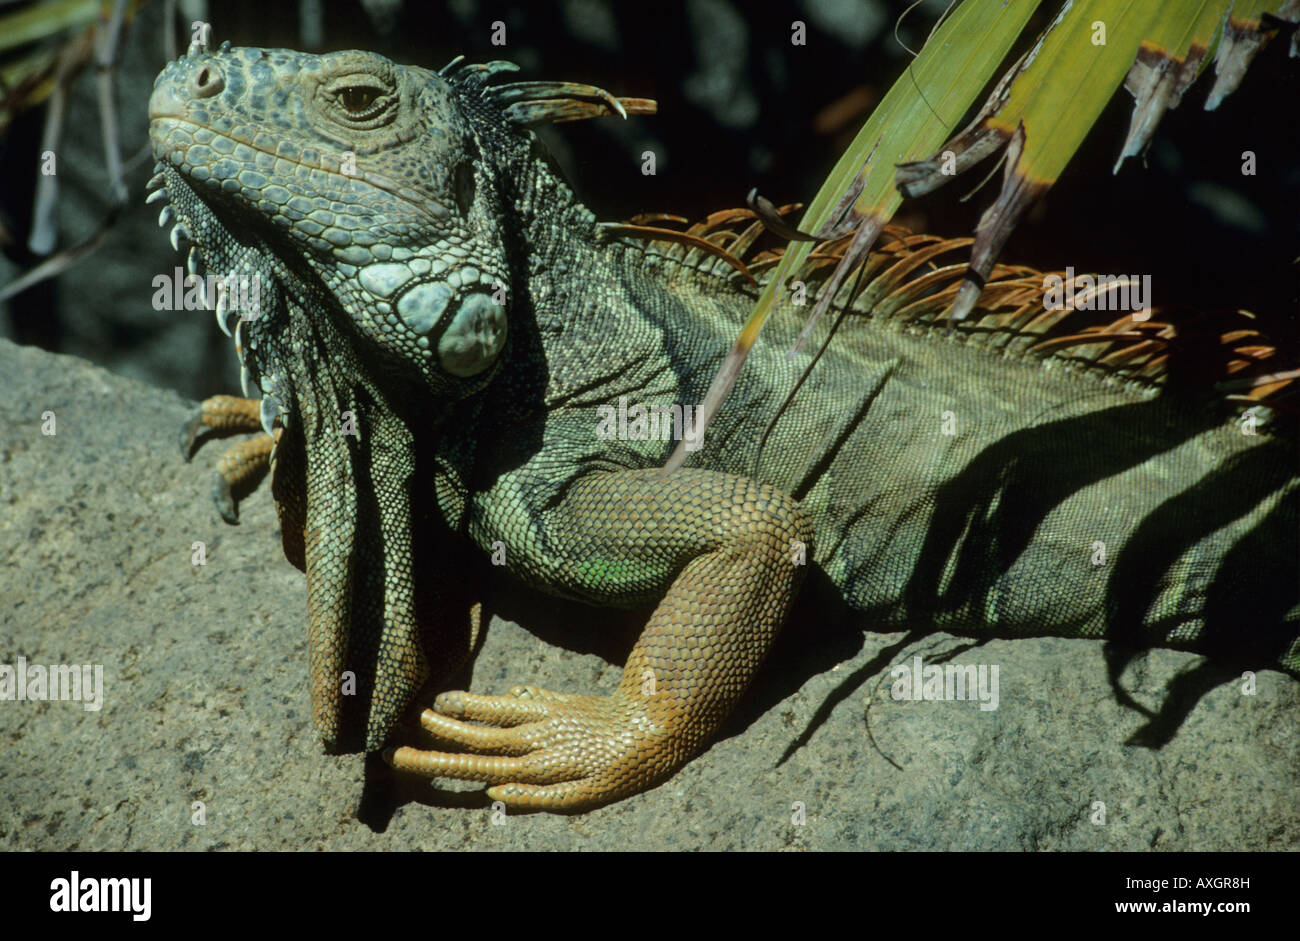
x=163 y=125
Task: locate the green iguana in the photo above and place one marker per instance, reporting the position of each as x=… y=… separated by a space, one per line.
x=454 y=356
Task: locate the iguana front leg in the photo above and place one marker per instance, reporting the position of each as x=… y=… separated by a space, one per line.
x=727 y=551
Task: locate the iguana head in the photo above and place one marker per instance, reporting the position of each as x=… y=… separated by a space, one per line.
x=364 y=177
x=371 y=204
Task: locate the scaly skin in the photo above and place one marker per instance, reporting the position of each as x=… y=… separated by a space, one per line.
x=444 y=319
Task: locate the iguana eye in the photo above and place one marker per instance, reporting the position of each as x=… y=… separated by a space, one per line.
x=357 y=98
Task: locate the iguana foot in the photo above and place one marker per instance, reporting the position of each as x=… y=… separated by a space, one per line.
x=542 y=750
x=243 y=465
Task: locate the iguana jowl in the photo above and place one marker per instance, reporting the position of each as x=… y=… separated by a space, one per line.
x=440 y=321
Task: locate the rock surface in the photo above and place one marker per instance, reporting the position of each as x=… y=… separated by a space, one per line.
x=205 y=696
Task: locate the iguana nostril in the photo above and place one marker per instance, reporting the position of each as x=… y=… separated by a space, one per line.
x=208 y=82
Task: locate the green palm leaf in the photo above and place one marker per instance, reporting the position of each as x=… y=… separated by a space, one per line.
x=1039 y=112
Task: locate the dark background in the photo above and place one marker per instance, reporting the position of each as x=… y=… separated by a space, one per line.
x=739 y=106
